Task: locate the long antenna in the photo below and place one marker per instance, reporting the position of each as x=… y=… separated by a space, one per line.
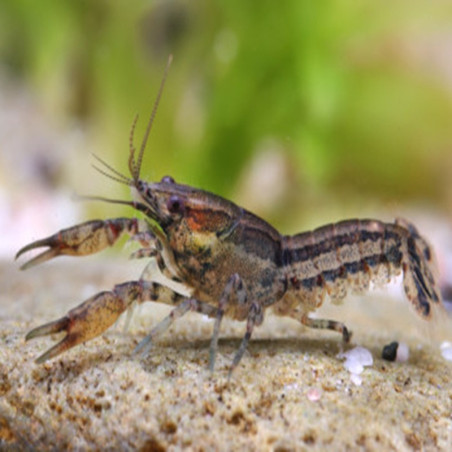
x=147 y=210
x=135 y=165
x=77 y=197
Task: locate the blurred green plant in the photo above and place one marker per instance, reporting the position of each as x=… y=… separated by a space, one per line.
x=342 y=85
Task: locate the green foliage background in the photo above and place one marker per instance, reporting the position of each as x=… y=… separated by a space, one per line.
x=346 y=88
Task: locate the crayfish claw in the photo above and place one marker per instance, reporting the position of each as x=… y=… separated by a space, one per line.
x=40 y=258
x=80 y=240
x=55 y=249
x=62 y=346
x=33 y=245
x=48 y=241
x=51 y=328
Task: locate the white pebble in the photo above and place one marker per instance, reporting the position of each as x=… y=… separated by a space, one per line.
x=356 y=379
x=446 y=350
x=403 y=352
x=314 y=394
x=356 y=359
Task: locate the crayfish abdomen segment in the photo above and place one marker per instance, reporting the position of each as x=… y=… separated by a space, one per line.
x=347 y=256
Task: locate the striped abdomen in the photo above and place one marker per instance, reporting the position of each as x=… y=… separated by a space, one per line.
x=349 y=255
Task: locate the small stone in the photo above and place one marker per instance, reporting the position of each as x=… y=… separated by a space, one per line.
x=314 y=394
x=446 y=350
x=403 y=352
x=356 y=379
x=356 y=359
x=389 y=352
x=396 y=351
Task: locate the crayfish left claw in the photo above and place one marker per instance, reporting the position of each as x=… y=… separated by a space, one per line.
x=86 y=321
x=51 y=328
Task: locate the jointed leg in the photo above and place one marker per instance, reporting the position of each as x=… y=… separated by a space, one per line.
x=255 y=317
x=326 y=325
x=189 y=304
x=157 y=255
x=152 y=248
x=234 y=287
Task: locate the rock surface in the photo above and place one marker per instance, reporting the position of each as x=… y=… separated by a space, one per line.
x=291 y=391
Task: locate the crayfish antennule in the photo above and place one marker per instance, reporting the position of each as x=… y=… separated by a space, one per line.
x=132 y=163
x=116 y=175
x=132 y=132
x=135 y=165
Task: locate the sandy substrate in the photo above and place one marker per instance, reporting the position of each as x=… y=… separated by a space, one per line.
x=290 y=392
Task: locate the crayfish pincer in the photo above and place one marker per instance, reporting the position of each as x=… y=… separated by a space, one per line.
x=232 y=262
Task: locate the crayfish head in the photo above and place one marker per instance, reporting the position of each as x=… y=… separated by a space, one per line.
x=165 y=200
x=186 y=215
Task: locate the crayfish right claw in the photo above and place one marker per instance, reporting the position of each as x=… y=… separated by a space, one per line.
x=44 y=256
x=80 y=240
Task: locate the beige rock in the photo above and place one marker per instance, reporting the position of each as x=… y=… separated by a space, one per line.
x=289 y=392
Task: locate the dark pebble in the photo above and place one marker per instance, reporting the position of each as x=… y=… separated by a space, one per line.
x=390 y=351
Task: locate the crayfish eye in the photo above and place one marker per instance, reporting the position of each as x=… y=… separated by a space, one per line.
x=167 y=180
x=175 y=204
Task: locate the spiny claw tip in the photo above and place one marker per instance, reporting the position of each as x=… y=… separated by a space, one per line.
x=20 y=252
x=54 y=351
x=49 y=328
x=25 y=266
x=40 y=258
x=44 y=357
x=32 y=334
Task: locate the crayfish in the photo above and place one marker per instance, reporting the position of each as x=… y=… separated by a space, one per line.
x=231 y=262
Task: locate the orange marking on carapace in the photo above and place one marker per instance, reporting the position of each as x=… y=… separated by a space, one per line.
x=196 y=220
